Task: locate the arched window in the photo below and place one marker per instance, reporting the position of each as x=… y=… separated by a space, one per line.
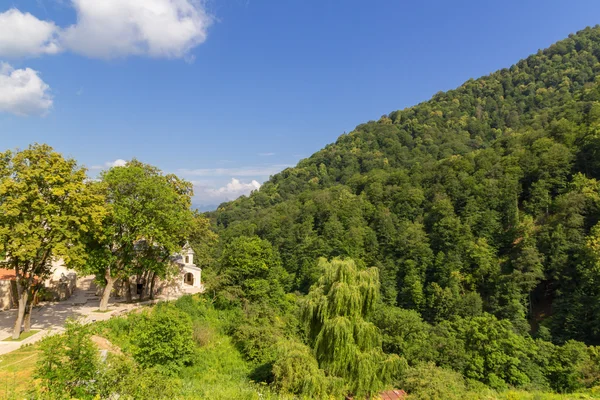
x=187 y=259
x=188 y=279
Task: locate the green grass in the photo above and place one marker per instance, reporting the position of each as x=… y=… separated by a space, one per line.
x=102 y=311
x=23 y=336
x=522 y=395
x=220 y=373
x=16 y=372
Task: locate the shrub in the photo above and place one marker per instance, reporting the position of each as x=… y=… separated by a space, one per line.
x=256 y=340
x=163 y=338
x=124 y=379
x=429 y=382
x=68 y=363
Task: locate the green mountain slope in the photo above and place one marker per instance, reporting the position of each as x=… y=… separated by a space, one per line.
x=482 y=199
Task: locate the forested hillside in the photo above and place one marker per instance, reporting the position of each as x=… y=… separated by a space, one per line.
x=483 y=200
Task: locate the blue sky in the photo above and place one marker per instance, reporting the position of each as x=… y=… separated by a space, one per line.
x=225 y=93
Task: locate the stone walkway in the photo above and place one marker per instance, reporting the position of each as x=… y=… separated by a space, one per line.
x=50 y=317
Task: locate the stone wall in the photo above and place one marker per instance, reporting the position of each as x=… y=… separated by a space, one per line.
x=7 y=300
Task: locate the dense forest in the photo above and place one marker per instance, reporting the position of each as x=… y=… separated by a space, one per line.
x=480 y=210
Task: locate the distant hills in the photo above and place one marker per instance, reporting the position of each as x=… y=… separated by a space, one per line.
x=205 y=208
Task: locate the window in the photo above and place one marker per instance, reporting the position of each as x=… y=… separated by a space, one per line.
x=187 y=259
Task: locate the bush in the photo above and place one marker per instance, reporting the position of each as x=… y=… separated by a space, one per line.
x=124 y=378
x=163 y=338
x=68 y=363
x=428 y=382
x=571 y=367
x=256 y=340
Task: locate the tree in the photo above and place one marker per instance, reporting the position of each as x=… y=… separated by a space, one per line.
x=46 y=206
x=149 y=219
x=345 y=344
x=296 y=371
x=405 y=333
x=203 y=240
x=251 y=268
x=496 y=354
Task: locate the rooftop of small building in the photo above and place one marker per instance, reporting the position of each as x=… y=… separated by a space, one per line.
x=7 y=274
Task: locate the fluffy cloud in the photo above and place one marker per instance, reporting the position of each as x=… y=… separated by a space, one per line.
x=109 y=164
x=110 y=28
x=116 y=163
x=234 y=189
x=22 y=34
x=23 y=92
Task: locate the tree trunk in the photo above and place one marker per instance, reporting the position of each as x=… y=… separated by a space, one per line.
x=107 y=289
x=129 y=297
x=29 y=308
x=148 y=284
x=23 y=295
x=152 y=283
x=144 y=280
x=27 y=319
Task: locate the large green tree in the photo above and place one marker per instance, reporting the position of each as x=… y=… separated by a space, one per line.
x=46 y=206
x=250 y=270
x=149 y=219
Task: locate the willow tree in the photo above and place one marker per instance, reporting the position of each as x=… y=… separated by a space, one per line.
x=345 y=344
x=46 y=206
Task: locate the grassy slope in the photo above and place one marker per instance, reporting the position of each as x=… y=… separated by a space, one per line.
x=221 y=374
x=16 y=372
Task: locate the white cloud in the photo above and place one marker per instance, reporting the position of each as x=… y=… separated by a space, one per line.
x=109 y=164
x=22 y=34
x=117 y=163
x=241 y=171
x=109 y=29
x=116 y=28
x=266 y=154
x=23 y=92
x=234 y=189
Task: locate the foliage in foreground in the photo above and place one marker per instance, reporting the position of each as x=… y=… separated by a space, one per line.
x=69 y=367
x=163 y=339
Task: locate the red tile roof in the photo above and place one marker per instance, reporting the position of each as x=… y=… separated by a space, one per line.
x=393 y=394
x=7 y=274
